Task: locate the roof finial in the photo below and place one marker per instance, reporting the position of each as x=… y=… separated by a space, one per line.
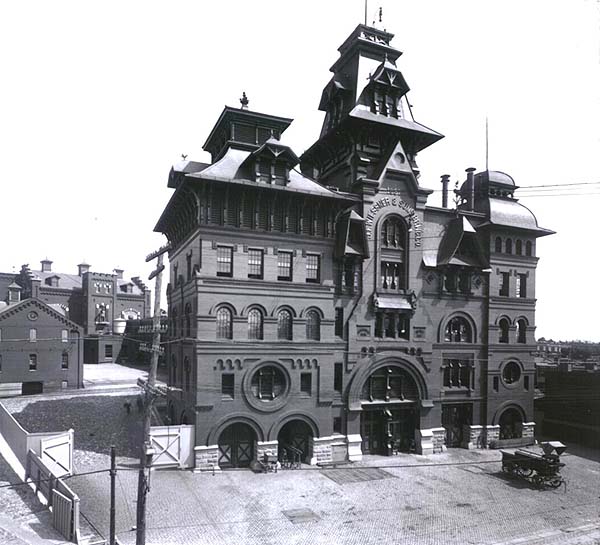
x=366 y=4
x=380 y=13
x=244 y=101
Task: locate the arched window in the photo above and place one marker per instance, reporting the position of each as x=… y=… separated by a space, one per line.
x=188 y=320
x=504 y=327
x=313 y=325
x=284 y=325
x=188 y=369
x=528 y=248
x=498 y=247
x=509 y=245
x=224 y=329
x=174 y=322
x=458 y=330
x=255 y=324
x=521 y=331
x=173 y=370
x=393 y=233
x=519 y=247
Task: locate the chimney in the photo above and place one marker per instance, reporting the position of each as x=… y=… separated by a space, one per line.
x=46 y=265
x=119 y=273
x=471 y=188
x=445 y=180
x=83 y=268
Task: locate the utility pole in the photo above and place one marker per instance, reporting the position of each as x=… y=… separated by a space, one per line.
x=150 y=393
x=113 y=477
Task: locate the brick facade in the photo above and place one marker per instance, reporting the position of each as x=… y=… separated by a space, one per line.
x=334 y=307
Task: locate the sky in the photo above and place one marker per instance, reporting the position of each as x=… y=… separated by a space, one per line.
x=99 y=99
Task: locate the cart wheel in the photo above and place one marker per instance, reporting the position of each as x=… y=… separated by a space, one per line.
x=524 y=471
x=554 y=482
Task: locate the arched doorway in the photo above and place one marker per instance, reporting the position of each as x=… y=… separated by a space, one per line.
x=236 y=445
x=511 y=424
x=294 y=439
x=389 y=402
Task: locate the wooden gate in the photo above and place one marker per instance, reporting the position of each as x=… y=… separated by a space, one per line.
x=62 y=514
x=58 y=452
x=173 y=446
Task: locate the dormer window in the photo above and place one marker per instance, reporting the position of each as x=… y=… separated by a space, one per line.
x=52 y=281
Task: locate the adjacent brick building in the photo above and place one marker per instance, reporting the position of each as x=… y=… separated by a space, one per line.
x=318 y=306
x=99 y=303
x=40 y=349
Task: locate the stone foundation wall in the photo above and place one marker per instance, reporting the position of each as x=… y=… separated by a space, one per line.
x=265 y=447
x=320 y=450
x=492 y=433
x=206 y=458
x=529 y=430
x=424 y=441
x=438 y=439
x=354 y=442
x=473 y=437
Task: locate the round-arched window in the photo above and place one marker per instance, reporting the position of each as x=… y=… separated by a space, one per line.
x=511 y=372
x=519 y=247
x=313 y=325
x=511 y=424
x=528 y=248
x=458 y=330
x=498 y=246
x=504 y=327
x=284 y=325
x=509 y=245
x=224 y=323
x=268 y=383
x=521 y=331
x=393 y=233
x=255 y=324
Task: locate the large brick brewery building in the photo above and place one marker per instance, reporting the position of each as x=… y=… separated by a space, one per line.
x=318 y=305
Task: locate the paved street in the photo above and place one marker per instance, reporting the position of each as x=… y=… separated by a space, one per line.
x=436 y=501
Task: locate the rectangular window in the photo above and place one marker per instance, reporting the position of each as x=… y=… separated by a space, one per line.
x=189 y=266
x=64 y=336
x=496 y=383
x=337 y=424
x=338 y=377
x=224 y=261
x=227 y=385
x=108 y=350
x=313 y=268
x=522 y=285
x=284 y=266
x=33 y=335
x=504 y=284
x=65 y=360
x=255 y=263
x=339 y=322
x=0 y=335
x=306 y=383
x=32 y=362
x=526 y=382
x=458 y=373
x=0 y=363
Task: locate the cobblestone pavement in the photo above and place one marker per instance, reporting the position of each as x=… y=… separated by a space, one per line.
x=435 y=501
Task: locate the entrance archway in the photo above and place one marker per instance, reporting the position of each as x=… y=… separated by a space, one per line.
x=236 y=445
x=511 y=424
x=389 y=402
x=294 y=438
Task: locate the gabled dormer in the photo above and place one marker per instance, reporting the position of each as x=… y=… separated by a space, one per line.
x=53 y=281
x=269 y=164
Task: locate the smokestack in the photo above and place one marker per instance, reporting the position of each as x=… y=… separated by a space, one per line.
x=119 y=273
x=445 y=181
x=46 y=265
x=471 y=188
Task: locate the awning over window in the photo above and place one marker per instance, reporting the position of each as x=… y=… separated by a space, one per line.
x=395 y=302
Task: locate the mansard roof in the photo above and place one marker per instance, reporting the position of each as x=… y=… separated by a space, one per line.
x=26 y=304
